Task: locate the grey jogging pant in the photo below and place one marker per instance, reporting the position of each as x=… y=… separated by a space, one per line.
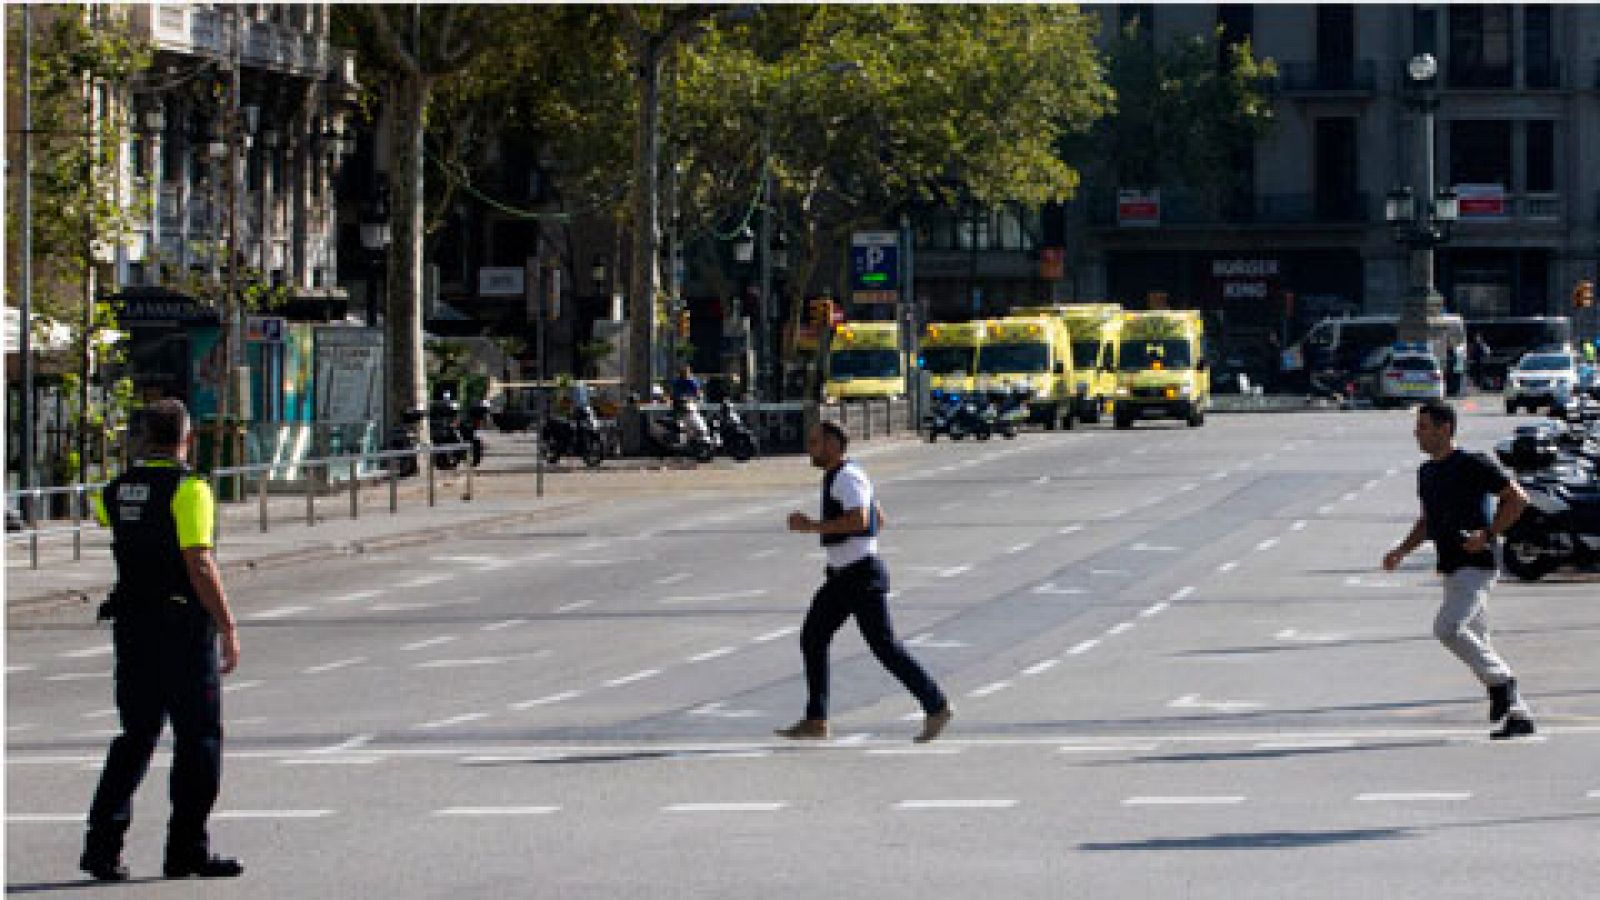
x=1462 y=625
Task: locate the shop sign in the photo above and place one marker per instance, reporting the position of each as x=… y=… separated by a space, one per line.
x=1138 y=209
x=1245 y=279
x=1052 y=263
x=500 y=281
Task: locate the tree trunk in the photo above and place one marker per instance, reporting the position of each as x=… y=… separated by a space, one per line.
x=646 y=225
x=408 y=377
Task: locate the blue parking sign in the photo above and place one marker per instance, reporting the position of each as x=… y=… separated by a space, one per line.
x=874 y=261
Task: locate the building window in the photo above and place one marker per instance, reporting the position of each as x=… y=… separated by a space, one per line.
x=1336 y=44
x=1538 y=57
x=1541 y=156
x=1480 y=152
x=1425 y=31
x=1480 y=46
x=1336 y=198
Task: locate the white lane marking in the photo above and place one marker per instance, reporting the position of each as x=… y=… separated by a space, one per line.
x=716 y=711
x=988 y=689
x=674 y=578
x=463 y=663
x=1404 y=796
x=424 y=581
x=330 y=666
x=615 y=561
x=12 y=670
x=1114 y=749
x=1228 y=566
x=401 y=607
x=1193 y=701
x=46 y=818
x=928 y=641
x=241 y=686
x=332 y=761
x=1115 y=514
x=1218 y=476
x=853 y=740
x=975 y=803
x=1267 y=544
x=1348 y=497
x=722 y=807
x=1294 y=634
x=1186 y=488
x=453 y=720
x=547 y=700
x=1181 y=593
x=1183 y=801
x=1370 y=485
x=1117 y=573
x=1299 y=525
x=277 y=613
x=360 y=740
x=640 y=675
x=77 y=676
x=775 y=634
x=85 y=653
x=1083 y=647
x=355 y=597
x=272 y=814
x=1042 y=479
x=1142 y=547
x=1324 y=510
x=1019 y=548
x=507 y=623
x=1154 y=609
x=1594 y=795
x=915 y=750
x=1119 y=628
x=1372 y=581
x=21 y=726
x=712 y=654
x=954 y=571
x=1141 y=451
x=429 y=642
x=1041 y=667
x=1303 y=745
x=763 y=554
x=1049 y=587
x=1069 y=529
x=716 y=598
x=496 y=811
x=100 y=713
x=576 y=604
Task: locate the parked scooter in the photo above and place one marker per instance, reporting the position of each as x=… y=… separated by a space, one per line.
x=941 y=416
x=1010 y=411
x=684 y=434
x=403 y=436
x=732 y=435
x=477 y=419
x=444 y=429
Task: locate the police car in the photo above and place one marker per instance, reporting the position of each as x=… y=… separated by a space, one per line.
x=1410 y=374
x=1541 y=379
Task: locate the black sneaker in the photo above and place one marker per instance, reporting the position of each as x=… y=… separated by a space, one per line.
x=1500 y=699
x=103 y=868
x=1515 y=726
x=203 y=867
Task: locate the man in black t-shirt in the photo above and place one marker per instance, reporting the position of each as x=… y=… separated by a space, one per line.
x=1455 y=487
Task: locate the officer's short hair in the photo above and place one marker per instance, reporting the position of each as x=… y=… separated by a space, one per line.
x=165 y=423
x=833 y=430
x=1439 y=413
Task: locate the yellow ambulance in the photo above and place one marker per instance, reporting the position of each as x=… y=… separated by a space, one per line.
x=865 y=360
x=1093 y=329
x=950 y=354
x=1031 y=354
x=1161 y=368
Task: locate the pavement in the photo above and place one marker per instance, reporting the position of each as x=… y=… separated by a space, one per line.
x=1177 y=668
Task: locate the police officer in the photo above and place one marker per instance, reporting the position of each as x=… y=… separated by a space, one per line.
x=169 y=616
x=857 y=585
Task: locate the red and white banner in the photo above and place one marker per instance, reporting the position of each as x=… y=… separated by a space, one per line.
x=1481 y=201
x=1138 y=209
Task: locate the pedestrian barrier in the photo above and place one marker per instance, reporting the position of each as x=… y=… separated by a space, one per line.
x=350 y=466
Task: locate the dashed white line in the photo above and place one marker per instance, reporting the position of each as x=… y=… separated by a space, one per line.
x=775 y=634
x=100 y=713
x=85 y=653
x=1069 y=529
x=330 y=666
x=355 y=597
x=976 y=803
x=1405 y=796
x=1154 y=609
x=241 y=686
x=280 y=612
x=547 y=700
x=1304 y=745
x=576 y=604
x=763 y=554
x=429 y=642
x=1181 y=593
x=506 y=623
x=468 y=662
x=1228 y=566
x=1299 y=525
x=988 y=689
x=674 y=578
x=1267 y=544
x=424 y=581
x=1049 y=587
x=454 y=720
x=78 y=676
x=1083 y=647
x=1119 y=628
x=954 y=571
x=1041 y=667
x=1019 y=547
x=496 y=810
x=712 y=654
x=722 y=807
x=636 y=676
x=1183 y=801
x=1325 y=510
x=272 y=814
x=12 y=670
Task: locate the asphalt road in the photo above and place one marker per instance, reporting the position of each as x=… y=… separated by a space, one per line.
x=1177 y=668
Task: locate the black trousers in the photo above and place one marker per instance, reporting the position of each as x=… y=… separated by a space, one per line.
x=166 y=670
x=861 y=590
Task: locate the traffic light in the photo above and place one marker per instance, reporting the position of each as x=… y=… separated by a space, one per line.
x=1583 y=295
x=683 y=324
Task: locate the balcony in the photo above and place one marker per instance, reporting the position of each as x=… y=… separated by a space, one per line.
x=1186 y=208
x=1352 y=77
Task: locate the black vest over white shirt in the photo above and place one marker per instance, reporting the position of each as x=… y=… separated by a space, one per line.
x=845 y=549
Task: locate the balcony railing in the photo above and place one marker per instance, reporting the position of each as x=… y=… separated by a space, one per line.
x=1182 y=207
x=1350 y=76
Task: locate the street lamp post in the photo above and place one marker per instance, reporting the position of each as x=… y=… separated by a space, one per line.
x=375 y=238
x=1421 y=220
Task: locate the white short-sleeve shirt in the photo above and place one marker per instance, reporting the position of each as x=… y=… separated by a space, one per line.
x=853 y=490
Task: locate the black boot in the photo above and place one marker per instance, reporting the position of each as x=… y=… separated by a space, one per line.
x=202 y=867
x=103 y=867
x=1500 y=699
x=1515 y=726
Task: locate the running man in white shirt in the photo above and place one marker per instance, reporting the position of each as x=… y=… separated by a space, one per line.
x=857 y=585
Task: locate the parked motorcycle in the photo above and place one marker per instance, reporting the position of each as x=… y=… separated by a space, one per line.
x=444 y=429
x=731 y=434
x=1010 y=411
x=1561 y=525
x=941 y=416
x=477 y=420
x=403 y=436
x=684 y=434
x=578 y=436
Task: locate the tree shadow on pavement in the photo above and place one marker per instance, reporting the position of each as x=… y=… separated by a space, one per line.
x=1276 y=840
x=1273 y=753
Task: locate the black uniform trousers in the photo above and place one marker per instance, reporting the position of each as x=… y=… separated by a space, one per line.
x=166 y=669
x=860 y=589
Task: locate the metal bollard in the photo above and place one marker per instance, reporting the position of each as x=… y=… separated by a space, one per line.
x=467 y=497
x=75 y=500
x=538 y=465
x=866 y=432
x=261 y=489
x=355 y=489
x=431 y=486
x=33 y=547
x=394 y=485
x=311 y=496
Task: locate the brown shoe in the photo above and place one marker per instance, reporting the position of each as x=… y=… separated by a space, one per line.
x=934 y=723
x=805 y=730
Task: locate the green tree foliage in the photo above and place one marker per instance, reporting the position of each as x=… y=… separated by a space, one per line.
x=1180 y=119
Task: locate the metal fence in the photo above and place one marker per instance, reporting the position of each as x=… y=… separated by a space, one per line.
x=318 y=476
